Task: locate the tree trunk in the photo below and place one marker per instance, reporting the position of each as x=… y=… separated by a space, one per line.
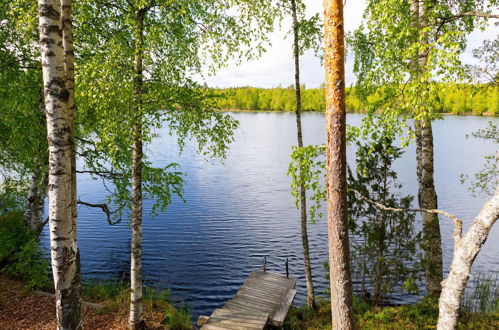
x=33 y=214
x=135 y=320
x=67 y=41
x=35 y=204
x=336 y=182
x=465 y=252
x=380 y=263
x=303 y=196
x=67 y=35
x=64 y=251
x=427 y=196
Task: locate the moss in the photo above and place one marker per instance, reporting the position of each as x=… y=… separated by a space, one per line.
x=423 y=315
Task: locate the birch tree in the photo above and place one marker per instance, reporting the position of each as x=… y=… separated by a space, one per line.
x=336 y=181
x=306 y=34
x=403 y=51
x=466 y=248
x=138 y=58
x=64 y=250
x=69 y=75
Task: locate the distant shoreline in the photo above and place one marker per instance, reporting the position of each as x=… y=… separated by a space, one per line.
x=319 y=111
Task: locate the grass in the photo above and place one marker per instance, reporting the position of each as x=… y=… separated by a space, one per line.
x=423 y=315
x=483 y=297
x=158 y=311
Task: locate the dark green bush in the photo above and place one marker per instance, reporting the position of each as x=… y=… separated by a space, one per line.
x=20 y=254
x=13 y=234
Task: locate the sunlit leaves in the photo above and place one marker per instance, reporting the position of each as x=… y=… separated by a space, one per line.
x=485 y=181
x=307 y=169
x=179 y=39
x=391 y=42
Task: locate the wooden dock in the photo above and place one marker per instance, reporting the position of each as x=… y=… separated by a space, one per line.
x=264 y=299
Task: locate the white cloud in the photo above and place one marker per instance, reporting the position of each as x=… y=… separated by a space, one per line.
x=276 y=66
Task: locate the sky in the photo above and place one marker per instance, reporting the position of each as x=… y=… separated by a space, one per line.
x=276 y=66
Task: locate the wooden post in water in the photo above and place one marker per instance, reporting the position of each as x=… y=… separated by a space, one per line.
x=265 y=263
x=287 y=268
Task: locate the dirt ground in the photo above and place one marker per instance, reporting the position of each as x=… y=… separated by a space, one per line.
x=21 y=310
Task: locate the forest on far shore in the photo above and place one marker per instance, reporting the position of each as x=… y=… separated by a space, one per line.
x=480 y=100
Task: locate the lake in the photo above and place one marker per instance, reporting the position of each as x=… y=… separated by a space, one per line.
x=241 y=210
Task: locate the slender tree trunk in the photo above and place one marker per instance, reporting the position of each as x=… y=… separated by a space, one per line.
x=67 y=34
x=35 y=204
x=465 y=251
x=380 y=263
x=427 y=196
x=33 y=214
x=336 y=182
x=64 y=251
x=303 y=196
x=136 y=253
x=69 y=70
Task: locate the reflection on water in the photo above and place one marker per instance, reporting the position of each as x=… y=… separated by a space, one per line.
x=242 y=210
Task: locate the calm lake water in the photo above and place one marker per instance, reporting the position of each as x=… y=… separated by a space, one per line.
x=242 y=210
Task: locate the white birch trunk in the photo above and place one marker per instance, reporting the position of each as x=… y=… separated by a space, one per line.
x=33 y=214
x=303 y=194
x=135 y=319
x=64 y=252
x=465 y=251
x=67 y=41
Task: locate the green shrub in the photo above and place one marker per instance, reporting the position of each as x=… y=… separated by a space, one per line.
x=422 y=315
x=13 y=234
x=20 y=254
x=29 y=265
x=12 y=195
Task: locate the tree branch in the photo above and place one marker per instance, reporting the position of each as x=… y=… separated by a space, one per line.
x=477 y=14
x=104 y=209
x=458 y=223
x=106 y=174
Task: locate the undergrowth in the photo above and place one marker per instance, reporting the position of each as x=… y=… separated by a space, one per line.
x=422 y=315
x=156 y=303
x=20 y=254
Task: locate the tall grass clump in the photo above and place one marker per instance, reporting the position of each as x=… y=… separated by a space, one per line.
x=158 y=308
x=483 y=294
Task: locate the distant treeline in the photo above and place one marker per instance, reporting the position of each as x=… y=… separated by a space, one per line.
x=455 y=99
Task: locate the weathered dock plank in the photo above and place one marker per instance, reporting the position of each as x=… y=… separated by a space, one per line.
x=264 y=298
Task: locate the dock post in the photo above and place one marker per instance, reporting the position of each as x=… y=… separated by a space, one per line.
x=265 y=263
x=287 y=268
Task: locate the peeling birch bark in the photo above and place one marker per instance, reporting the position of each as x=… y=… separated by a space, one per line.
x=135 y=320
x=465 y=252
x=35 y=204
x=64 y=252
